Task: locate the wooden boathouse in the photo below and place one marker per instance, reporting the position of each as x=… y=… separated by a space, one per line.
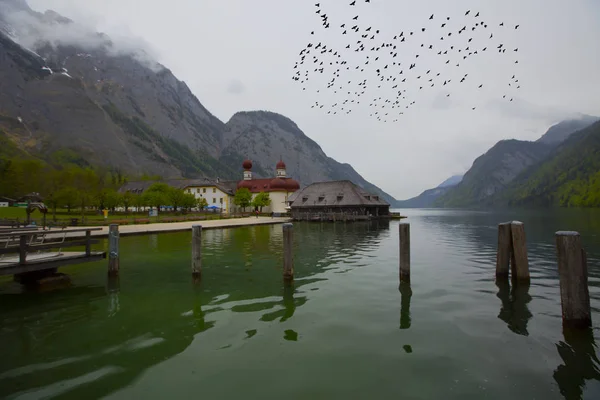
x=337 y=201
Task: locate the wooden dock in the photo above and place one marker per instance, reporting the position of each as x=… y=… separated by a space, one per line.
x=25 y=251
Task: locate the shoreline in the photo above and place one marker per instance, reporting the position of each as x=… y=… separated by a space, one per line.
x=170 y=227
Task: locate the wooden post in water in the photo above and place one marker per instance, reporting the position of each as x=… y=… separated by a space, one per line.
x=22 y=249
x=572 y=272
x=404 y=233
x=196 y=251
x=113 y=250
x=288 y=256
x=519 y=261
x=88 y=243
x=503 y=254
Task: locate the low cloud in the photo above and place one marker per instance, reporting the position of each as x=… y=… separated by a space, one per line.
x=34 y=30
x=236 y=87
x=519 y=108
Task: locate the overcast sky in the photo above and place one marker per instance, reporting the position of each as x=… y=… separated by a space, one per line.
x=238 y=55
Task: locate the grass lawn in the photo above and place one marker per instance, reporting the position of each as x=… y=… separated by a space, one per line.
x=95 y=218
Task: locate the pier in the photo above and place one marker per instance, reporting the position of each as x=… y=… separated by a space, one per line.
x=27 y=251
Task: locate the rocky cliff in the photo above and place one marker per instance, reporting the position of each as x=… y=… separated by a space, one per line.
x=63 y=86
x=265 y=137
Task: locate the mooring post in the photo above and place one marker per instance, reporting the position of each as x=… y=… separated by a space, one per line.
x=22 y=249
x=88 y=243
x=288 y=256
x=113 y=250
x=572 y=272
x=404 y=230
x=504 y=250
x=519 y=261
x=196 y=251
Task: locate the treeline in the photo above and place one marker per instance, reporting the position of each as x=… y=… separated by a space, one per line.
x=72 y=186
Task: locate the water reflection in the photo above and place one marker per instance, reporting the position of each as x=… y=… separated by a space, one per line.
x=291 y=335
x=152 y=312
x=514 y=310
x=405 y=295
x=289 y=304
x=113 y=287
x=580 y=363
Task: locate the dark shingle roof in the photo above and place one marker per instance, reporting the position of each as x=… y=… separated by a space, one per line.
x=141 y=186
x=335 y=193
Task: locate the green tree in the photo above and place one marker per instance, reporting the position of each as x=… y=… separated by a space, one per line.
x=201 y=203
x=127 y=200
x=113 y=199
x=67 y=197
x=139 y=201
x=261 y=200
x=188 y=201
x=242 y=198
x=176 y=197
x=157 y=195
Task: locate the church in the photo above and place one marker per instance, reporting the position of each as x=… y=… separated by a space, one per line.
x=279 y=188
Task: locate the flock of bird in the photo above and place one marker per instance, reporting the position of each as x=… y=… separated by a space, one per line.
x=384 y=61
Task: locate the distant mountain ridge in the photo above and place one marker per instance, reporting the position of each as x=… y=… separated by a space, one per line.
x=110 y=106
x=428 y=197
x=568 y=177
x=492 y=173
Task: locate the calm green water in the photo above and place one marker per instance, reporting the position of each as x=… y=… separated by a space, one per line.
x=345 y=329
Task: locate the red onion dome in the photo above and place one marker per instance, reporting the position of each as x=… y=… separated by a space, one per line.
x=289 y=185
x=280 y=165
x=247 y=164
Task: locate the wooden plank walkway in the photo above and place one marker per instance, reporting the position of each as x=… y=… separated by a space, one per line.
x=22 y=252
x=43 y=261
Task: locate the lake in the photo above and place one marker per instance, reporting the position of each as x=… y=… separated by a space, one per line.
x=345 y=329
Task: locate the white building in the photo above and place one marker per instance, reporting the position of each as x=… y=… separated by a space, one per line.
x=279 y=188
x=218 y=195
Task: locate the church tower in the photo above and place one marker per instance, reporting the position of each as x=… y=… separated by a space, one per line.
x=247 y=164
x=280 y=167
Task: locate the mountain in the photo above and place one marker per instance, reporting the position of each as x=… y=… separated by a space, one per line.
x=452 y=181
x=568 y=177
x=428 y=197
x=266 y=137
x=67 y=91
x=561 y=131
x=492 y=172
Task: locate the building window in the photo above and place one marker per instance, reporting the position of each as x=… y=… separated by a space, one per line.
x=198 y=190
x=221 y=200
x=214 y=190
x=203 y=190
x=214 y=200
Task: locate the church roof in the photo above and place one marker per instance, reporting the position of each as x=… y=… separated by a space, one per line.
x=270 y=185
x=335 y=193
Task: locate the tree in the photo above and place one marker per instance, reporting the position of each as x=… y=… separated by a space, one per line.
x=157 y=195
x=127 y=200
x=261 y=200
x=67 y=197
x=113 y=199
x=201 y=203
x=242 y=198
x=176 y=197
x=138 y=201
x=188 y=201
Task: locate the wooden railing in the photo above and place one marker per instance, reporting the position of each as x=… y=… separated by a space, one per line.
x=25 y=241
